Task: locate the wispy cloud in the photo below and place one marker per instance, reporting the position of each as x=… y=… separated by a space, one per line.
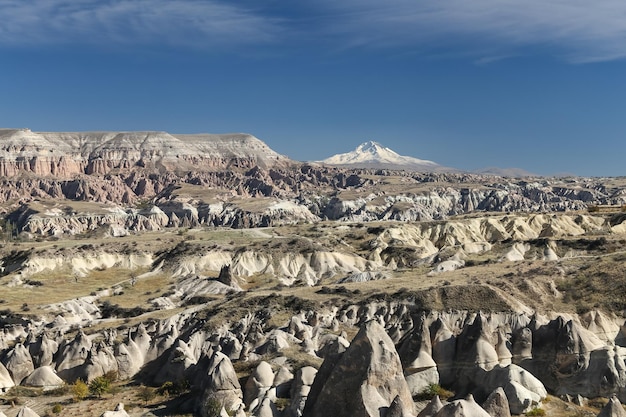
x=207 y=23
x=481 y=30
x=576 y=30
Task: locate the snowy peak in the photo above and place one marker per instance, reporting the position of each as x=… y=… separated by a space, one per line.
x=373 y=154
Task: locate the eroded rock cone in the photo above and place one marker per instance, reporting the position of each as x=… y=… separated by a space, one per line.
x=226 y=277
x=19 y=363
x=119 y=412
x=6 y=381
x=613 y=409
x=221 y=386
x=365 y=380
x=497 y=405
x=415 y=353
x=432 y=408
x=395 y=408
x=462 y=408
x=27 y=412
x=43 y=377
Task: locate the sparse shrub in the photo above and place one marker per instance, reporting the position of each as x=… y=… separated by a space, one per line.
x=58 y=392
x=146 y=394
x=432 y=390
x=99 y=386
x=110 y=376
x=597 y=402
x=57 y=408
x=536 y=412
x=212 y=407
x=282 y=403
x=172 y=389
x=80 y=390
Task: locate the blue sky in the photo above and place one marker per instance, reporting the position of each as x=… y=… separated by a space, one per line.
x=535 y=84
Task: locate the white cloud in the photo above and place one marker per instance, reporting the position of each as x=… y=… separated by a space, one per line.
x=577 y=30
x=207 y=23
x=482 y=30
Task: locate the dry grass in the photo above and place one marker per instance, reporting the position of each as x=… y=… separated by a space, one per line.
x=127 y=394
x=60 y=285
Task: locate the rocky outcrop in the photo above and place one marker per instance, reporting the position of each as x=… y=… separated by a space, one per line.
x=63 y=154
x=26 y=412
x=497 y=404
x=613 y=409
x=364 y=380
x=221 y=386
x=462 y=408
x=432 y=408
x=43 y=377
x=118 y=412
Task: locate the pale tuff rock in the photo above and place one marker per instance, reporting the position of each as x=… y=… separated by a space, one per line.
x=26 y=412
x=6 y=381
x=42 y=350
x=73 y=355
x=221 y=384
x=475 y=345
x=462 y=408
x=43 y=377
x=613 y=409
x=415 y=353
x=497 y=404
x=283 y=381
x=101 y=360
x=300 y=390
x=432 y=408
x=118 y=412
x=523 y=390
x=258 y=385
x=19 y=363
x=368 y=376
x=64 y=154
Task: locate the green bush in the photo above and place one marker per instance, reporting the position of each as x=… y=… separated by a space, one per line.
x=536 y=412
x=57 y=408
x=431 y=391
x=146 y=394
x=99 y=386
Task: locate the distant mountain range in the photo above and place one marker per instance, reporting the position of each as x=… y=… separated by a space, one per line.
x=374 y=155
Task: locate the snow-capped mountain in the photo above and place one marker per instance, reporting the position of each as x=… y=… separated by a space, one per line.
x=373 y=154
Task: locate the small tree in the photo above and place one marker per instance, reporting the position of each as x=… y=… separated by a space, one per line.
x=99 y=386
x=80 y=390
x=146 y=393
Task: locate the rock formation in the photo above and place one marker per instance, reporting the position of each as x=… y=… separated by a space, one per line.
x=365 y=379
